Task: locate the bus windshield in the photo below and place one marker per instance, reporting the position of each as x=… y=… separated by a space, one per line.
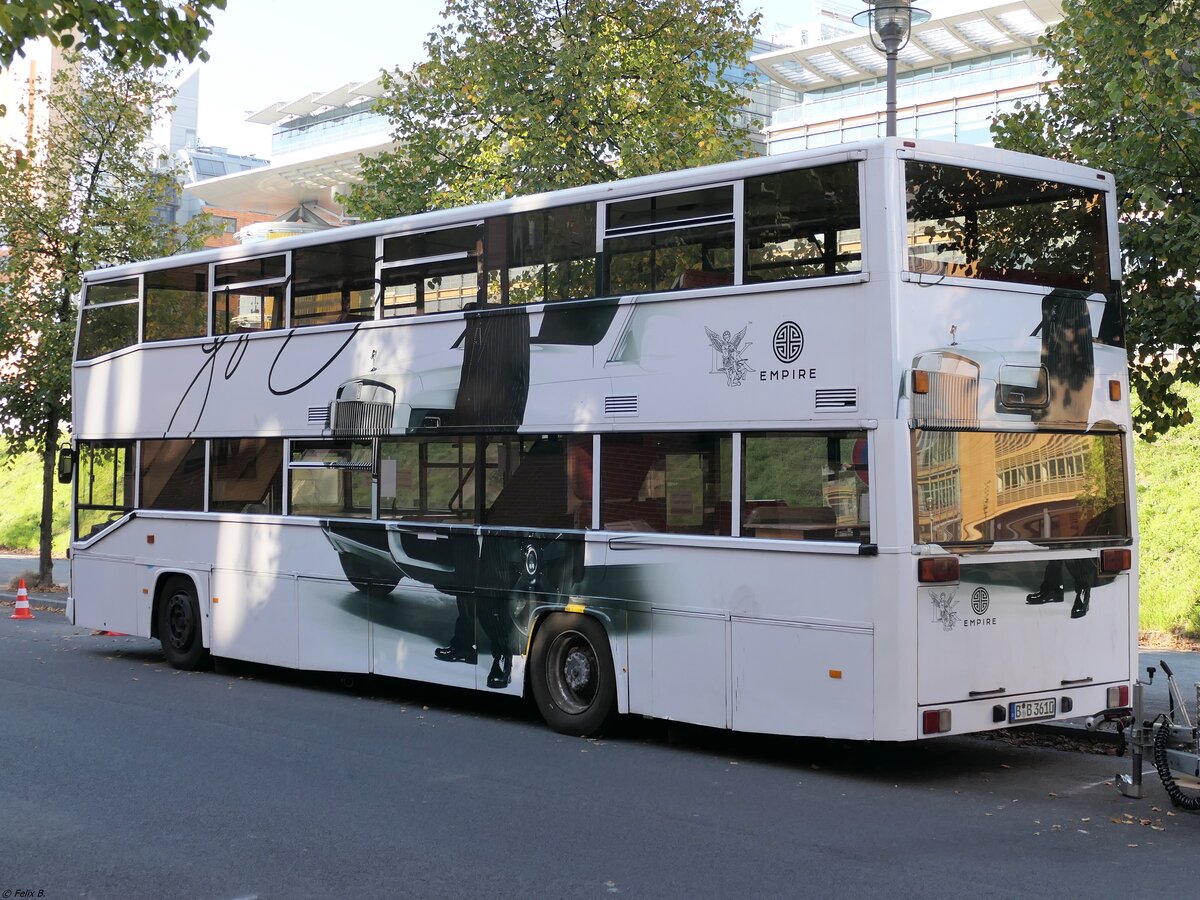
x=982 y=487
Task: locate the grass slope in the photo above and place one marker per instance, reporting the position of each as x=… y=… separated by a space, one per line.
x=21 y=504
x=1168 y=487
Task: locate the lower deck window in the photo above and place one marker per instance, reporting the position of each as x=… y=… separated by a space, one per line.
x=103 y=486
x=246 y=475
x=673 y=483
x=805 y=486
x=171 y=475
x=330 y=479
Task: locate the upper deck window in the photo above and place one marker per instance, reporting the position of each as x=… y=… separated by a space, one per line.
x=176 y=303
x=544 y=255
x=803 y=224
x=110 y=317
x=432 y=271
x=970 y=223
x=334 y=283
x=670 y=241
x=249 y=294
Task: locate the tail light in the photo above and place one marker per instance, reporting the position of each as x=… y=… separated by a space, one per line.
x=1118 y=696
x=1115 y=559
x=934 y=569
x=935 y=721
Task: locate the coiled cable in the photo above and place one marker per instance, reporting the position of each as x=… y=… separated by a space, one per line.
x=1174 y=791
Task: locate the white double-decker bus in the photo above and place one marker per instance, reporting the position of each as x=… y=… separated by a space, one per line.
x=835 y=443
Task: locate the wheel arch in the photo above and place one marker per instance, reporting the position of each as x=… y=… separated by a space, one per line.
x=200 y=582
x=618 y=647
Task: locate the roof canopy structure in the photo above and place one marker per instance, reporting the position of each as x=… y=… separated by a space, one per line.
x=980 y=32
x=277 y=112
x=280 y=187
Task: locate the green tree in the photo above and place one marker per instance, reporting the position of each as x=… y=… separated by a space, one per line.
x=81 y=195
x=520 y=96
x=125 y=32
x=1128 y=101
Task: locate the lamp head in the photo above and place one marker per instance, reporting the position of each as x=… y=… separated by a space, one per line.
x=890 y=23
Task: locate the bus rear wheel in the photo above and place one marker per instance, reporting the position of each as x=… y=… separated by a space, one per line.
x=571 y=674
x=179 y=628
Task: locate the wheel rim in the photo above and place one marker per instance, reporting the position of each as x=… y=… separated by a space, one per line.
x=573 y=673
x=180 y=623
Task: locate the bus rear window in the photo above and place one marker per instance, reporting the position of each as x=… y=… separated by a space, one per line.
x=976 y=487
x=969 y=223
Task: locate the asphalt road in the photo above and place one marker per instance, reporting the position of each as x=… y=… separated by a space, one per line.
x=123 y=778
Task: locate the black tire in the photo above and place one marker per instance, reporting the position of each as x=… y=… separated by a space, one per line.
x=364 y=578
x=571 y=674
x=179 y=628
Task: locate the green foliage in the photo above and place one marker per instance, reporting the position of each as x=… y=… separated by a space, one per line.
x=125 y=32
x=520 y=96
x=83 y=194
x=20 y=504
x=1128 y=101
x=1169 y=523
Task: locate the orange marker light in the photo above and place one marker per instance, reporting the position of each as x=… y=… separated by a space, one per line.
x=1114 y=390
x=920 y=381
x=835 y=673
x=935 y=569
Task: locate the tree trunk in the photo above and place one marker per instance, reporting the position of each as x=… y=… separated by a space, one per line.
x=46 y=530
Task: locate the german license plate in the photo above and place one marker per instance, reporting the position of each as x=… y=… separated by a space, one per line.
x=1032 y=710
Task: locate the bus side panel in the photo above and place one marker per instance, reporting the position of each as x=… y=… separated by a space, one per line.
x=104 y=592
x=689 y=661
x=802 y=679
x=333 y=626
x=255 y=617
x=731 y=627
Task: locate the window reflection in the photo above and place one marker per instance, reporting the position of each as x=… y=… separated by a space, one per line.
x=975 y=487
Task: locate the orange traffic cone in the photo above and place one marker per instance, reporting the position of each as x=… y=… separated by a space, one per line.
x=22 y=610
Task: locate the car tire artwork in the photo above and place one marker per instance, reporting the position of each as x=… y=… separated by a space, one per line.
x=363 y=579
x=179 y=628
x=572 y=675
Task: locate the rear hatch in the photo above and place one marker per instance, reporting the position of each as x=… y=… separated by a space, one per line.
x=1007 y=629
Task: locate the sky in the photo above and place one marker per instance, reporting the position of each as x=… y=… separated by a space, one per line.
x=262 y=51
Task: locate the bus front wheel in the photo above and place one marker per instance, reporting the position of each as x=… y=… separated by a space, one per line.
x=571 y=672
x=179 y=625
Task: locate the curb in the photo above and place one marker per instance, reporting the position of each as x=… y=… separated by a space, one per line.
x=1076 y=731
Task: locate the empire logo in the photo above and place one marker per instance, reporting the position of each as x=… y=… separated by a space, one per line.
x=787 y=344
x=980 y=601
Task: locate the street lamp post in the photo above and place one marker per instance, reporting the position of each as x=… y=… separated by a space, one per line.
x=890 y=25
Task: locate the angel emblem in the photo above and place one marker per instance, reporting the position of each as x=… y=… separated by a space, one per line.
x=943 y=609
x=733 y=355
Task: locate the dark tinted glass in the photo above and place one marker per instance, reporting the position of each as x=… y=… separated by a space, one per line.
x=172 y=475
x=107 y=328
x=466 y=239
x=665 y=209
x=333 y=283
x=111 y=292
x=969 y=223
x=247 y=476
x=176 y=303
x=803 y=224
x=244 y=270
